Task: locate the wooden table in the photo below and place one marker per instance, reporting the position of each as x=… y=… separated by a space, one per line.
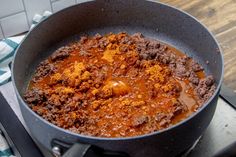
x=220 y=18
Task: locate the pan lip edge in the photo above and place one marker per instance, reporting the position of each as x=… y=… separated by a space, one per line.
x=214 y=96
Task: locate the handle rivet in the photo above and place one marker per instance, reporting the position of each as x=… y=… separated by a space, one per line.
x=56 y=151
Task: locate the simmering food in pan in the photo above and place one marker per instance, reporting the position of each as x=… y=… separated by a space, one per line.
x=117 y=85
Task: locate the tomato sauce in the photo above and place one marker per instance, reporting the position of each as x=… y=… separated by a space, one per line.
x=106 y=86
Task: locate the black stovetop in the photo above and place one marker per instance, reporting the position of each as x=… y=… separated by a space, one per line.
x=220 y=133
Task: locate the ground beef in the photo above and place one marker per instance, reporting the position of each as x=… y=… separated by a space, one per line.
x=181 y=71
x=84 y=87
x=160 y=116
x=54 y=100
x=117 y=85
x=61 y=53
x=34 y=96
x=123 y=48
x=137 y=37
x=179 y=107
x=144 y=56
x=195 y=66
x=84 y=52
x=140 y=120
x=83 y=39
x=163 y=58
x=126 y=40
x=44 y=69
x=97 y=36
x=193 y=78
x=103 y=42
x=206 y=88
x=164 y=119
x=154 y=44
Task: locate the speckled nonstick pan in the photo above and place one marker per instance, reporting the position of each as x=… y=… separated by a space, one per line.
x=154 y=20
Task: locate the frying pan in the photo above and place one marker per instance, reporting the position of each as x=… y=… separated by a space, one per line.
x=153 y=19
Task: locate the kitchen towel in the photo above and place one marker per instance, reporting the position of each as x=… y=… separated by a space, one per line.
x=5 y=150
x=8 y=47
x=7 y=50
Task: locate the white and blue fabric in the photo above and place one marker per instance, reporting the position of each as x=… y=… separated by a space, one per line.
x=5 y=150
x=8 y=47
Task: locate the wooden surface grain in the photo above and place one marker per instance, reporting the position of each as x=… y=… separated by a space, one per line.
x=220 y=18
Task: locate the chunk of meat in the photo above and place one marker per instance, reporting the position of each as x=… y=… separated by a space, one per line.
x=193 y=78
x=179 y=107
x=126 y=40
x=195 y=66
x=54 y=100
x=84 y=52
x=160 y=116
x=103 y=42
x=137 y=36
x=98 y=36
x=181 y=71
x=164 y=119
x=123 y=48
x=83 y=39
x=153 y=44
x=34 y=96
x=106 y=91
x=138 y=121
x=61 y=53
x=206 y=88
x=84 y=87
x=44 y=69
x=164 y=58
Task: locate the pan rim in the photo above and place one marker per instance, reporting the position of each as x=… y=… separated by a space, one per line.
x=133 y=137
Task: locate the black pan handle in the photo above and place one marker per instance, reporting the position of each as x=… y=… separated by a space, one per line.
x=77 y=150
x=63 y=149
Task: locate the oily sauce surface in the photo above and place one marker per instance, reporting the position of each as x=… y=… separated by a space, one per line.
x=108 y=86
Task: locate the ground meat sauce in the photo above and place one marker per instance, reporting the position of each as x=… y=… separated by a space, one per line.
x=117 y=85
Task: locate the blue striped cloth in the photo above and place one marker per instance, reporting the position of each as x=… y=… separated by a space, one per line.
x=5 y=150
x=8 y=47
x=7 y=50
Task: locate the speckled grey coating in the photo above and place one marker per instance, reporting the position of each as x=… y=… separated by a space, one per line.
x=154 y=20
